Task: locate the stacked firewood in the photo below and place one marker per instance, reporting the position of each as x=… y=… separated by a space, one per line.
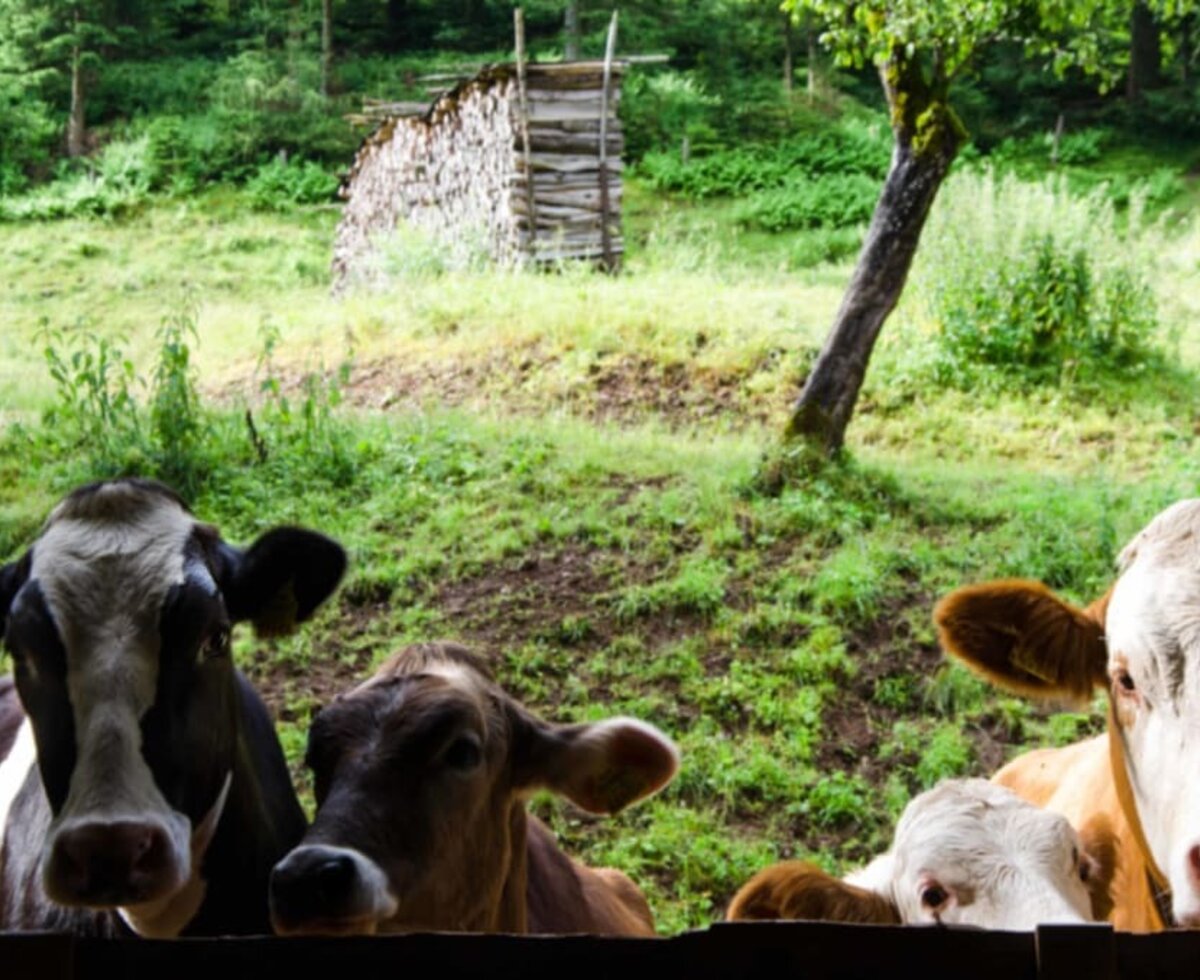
x=440 y=180
x=461 y=175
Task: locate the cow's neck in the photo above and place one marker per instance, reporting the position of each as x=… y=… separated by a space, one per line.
x=261 y=822
x=512 y=913
x=1156 y=881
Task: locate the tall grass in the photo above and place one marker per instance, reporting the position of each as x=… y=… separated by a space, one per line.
x=1029 y=281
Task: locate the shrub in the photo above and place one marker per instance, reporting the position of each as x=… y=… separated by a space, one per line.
x=1031 y=282
x=1081 y=147
x=279 y=185
x=122 y=176
x=842 y=152
x=823 y=201
x=824 y=245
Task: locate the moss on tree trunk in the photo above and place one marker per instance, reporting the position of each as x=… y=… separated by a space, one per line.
x=927 y=138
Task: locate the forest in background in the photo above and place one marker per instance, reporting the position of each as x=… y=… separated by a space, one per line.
x=113 y=99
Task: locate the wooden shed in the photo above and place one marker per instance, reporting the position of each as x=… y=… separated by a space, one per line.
x=520 y=163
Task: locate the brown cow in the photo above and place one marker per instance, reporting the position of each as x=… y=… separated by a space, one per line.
x=966 y=852
x=421 y=779
x=1142 y=642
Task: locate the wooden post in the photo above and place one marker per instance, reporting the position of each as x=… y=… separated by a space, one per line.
x=1058 y=131
x=522 y=99
x=605 y=233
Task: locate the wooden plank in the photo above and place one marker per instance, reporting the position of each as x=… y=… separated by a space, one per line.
x=554 y=179
x=523 y=104
x=574 y=143
x=610 y=48
x=566 y=95
x=569 y=68
x=568 y=163
x=576 y=126
x=565 y=203
x=572 y=238
x=544 y=112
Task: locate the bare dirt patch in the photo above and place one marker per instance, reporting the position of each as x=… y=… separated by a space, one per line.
x=622 y=389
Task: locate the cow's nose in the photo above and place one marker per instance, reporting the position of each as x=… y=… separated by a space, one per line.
x=1193 y=858
x=119 y=863
x=313 y=884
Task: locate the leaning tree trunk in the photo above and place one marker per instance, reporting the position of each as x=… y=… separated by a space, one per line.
x=1145 y=51
x=571 y=34
x=76 y=133
x=326 y=46
x=789 y=69
x=927 y=137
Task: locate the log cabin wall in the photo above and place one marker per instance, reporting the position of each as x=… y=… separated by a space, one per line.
x=456 y=176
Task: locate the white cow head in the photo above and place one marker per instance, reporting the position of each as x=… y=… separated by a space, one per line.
x=1142 y=642
x=967 y=852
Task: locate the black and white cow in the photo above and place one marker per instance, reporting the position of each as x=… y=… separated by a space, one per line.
x=160 y=799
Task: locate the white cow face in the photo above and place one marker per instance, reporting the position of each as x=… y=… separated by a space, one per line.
x=1153 y=633
x=971 y=853
x=967 y=852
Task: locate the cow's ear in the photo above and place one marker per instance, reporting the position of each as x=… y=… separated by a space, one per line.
x=798 y=890
x=1100 y=863
x=281 y=579
x=601 y=767
x=1023 y=637
x=12 y=576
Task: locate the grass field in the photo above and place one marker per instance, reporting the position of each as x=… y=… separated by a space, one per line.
x=566 y=471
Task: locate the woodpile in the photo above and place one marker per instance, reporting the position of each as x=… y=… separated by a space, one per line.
x=509 y=166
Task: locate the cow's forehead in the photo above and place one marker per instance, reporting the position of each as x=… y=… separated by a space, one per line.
x=111 y=551
x=970 y=820
x=1171 y=539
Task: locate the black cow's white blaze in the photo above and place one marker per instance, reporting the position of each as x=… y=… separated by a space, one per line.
x=160 y=795
x=105 y=565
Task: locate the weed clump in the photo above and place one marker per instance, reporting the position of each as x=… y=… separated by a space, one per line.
x=1025 y=284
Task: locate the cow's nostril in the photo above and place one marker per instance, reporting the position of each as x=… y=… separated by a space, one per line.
x=109 y=863
x=1194 y=861
x=335 y=875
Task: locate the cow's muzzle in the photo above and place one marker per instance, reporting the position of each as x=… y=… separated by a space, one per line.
x=322 y=890
x=106 y=863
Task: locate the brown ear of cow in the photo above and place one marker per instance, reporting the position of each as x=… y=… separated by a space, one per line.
x=799 y=890
x=1100 y=845
x=602 y=767
x=1021 y=636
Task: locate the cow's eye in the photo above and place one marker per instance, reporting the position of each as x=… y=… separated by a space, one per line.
x=464 y=753
x=1124 y=681
x=217 y=645
x=934 y=896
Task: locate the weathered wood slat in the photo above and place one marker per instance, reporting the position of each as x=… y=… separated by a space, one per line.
x=574 y=126
x=574 y=143
x=562 y=204
x=574 y=236
x=544 y=112
x=550 y=180
x=568 y=163
x=566 y=69
x=567 y=84
x=566 y=95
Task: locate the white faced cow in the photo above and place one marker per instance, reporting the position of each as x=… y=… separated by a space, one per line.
x=421 y=779
x=143 y=785
x=1141 y=641
x=966 y=852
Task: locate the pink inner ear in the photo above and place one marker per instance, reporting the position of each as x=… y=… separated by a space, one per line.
x=639 y=750
x=618 y=762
